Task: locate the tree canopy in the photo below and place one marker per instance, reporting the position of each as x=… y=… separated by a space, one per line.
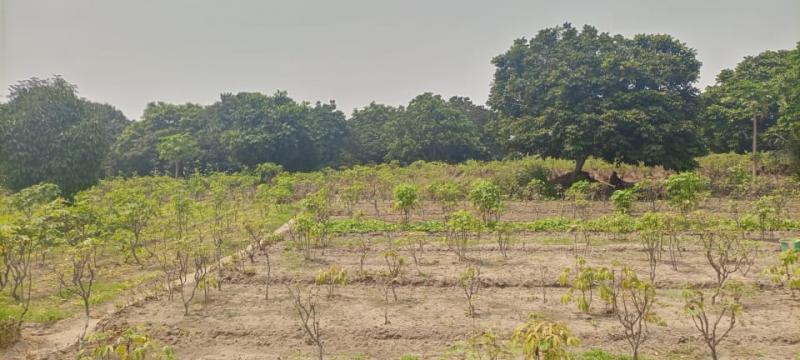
x=576 y=93
x=431 y=129
x=49 y=134
x=752 y=89
x=567 y=93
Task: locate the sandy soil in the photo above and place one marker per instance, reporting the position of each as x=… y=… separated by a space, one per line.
x=430 y=315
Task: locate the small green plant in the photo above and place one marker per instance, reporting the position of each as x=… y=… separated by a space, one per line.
x=331 y=278
x=305 y=303
x=461 y=228
x=470 y=282
x=351 y=194
x=578 y=193
x=652 y=241
x=405 y=199
x=538 y=189
x=394 y=269
x=686 y=190
x=650 y=191
x=714 y=321
x=306 y=233
x=267 y=171
x=543 y=340
x=503 y=235
x=447 y=194
x=766 y=213
x=623 y=200
x=486 y=345
x=726 y=253
x=585 y=280
x=786 y=271
x=132 y=344
x=487 y=198
x=738 y=178
x=633 y=302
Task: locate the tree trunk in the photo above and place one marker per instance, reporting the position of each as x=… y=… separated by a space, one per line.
x=578 y=167
x=81 y=340
x=269 y=273
x=755 y=147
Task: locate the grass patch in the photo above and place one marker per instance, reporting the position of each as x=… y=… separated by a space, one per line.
x=103 y=291
x=41 y=311
x=597 y=354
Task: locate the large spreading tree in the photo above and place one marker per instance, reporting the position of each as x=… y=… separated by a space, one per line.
x=49 y=134
x=573 y=93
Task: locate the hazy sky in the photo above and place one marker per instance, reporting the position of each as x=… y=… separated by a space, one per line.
x=128 y=53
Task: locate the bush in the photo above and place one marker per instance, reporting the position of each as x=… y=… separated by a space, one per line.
x=544 y=340
x=623 y=200
x=485 y=196
x=538 y=189
x=579 y=191
x=267 y=171
x=685 y=191
x=405 y=199
x=531 y=176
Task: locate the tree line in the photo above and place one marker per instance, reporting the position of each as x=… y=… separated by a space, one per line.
x=567 y=92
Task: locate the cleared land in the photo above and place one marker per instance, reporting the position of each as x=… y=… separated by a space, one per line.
x=429 y=319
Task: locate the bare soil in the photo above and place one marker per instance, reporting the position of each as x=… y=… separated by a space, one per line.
x=429 y=319
x=430 y=315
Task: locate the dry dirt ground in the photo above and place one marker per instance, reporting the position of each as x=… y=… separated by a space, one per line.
x=238 y=323
x=430 y=316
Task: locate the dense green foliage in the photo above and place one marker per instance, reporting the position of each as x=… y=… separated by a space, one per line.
x=49 y=134
x=430 y=129
x=757 y=87
x=572 y=94
x=566 y=93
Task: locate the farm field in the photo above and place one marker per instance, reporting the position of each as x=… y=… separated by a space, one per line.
x=428 y=190
x=428 y=320
x=469 y=261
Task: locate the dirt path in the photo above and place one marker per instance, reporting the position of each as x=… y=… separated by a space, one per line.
x=53 y=341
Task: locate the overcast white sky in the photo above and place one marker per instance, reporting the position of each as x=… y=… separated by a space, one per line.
x=128 y=53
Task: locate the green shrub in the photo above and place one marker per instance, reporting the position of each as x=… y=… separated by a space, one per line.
x=538 y=189
x=531 y=176
x=486 y=196
x=579 y=191
x=405 y=199
x=623 y=200
x=685 y=191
